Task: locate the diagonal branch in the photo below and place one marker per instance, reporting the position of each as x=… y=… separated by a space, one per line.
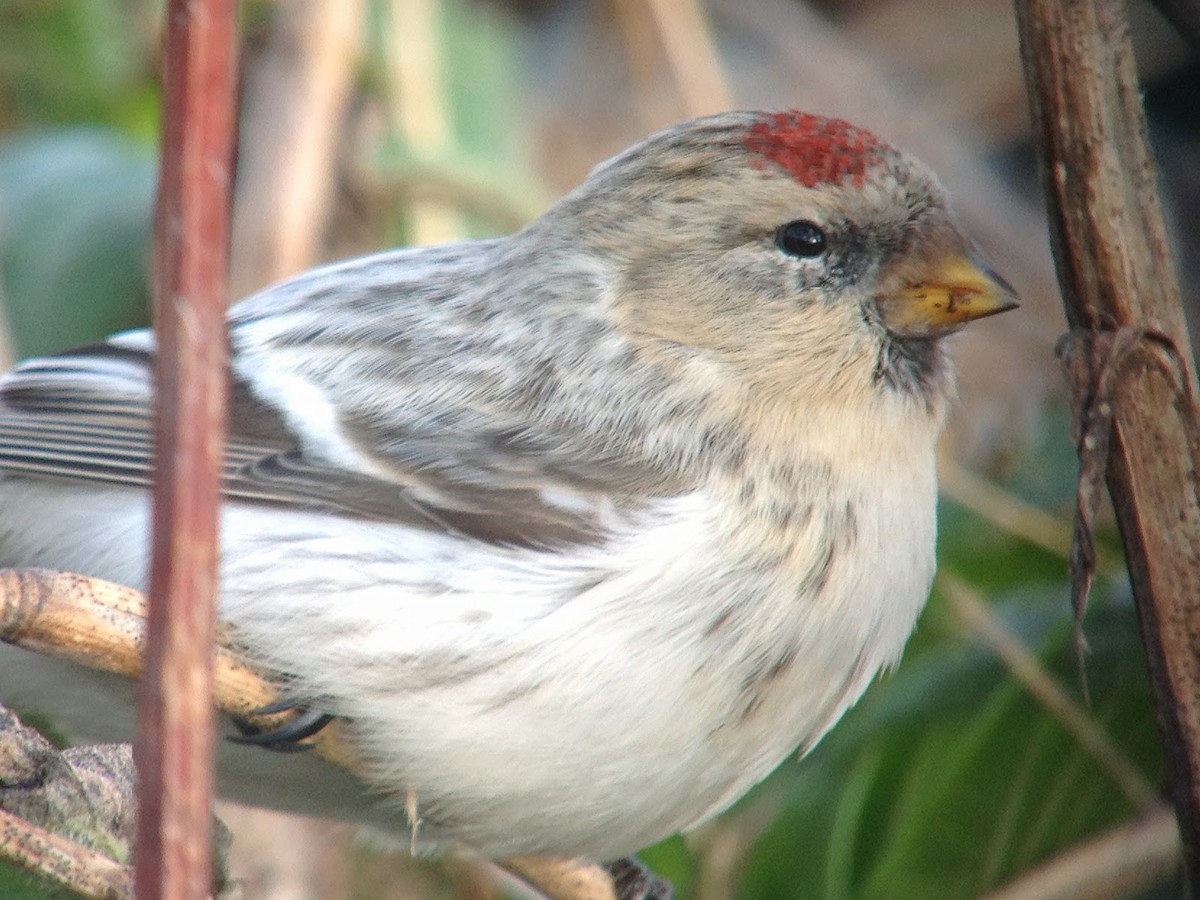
x=63 y=861
x=1119 y=863
x=67 y=815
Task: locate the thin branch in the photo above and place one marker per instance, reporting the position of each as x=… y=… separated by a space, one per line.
x=1008 y=513
x=507 y=207
x=419 y=103
x=570 y=879
x=293 y=100
x=63 y=861
x=175 y=726
x=722 y=846
x=66 y=815
x=1120 y=863
x=101 y=625
x=7 y=352
x=691 y=52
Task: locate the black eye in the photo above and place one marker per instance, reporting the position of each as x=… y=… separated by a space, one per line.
x=802 y=238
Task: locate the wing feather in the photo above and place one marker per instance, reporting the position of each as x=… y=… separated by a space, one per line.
x=401 y=387
x=86 y=416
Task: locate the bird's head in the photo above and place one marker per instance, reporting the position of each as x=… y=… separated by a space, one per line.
x=801 y=254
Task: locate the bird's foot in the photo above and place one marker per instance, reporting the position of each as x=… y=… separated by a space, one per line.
x=287 y=738
x=633 y=881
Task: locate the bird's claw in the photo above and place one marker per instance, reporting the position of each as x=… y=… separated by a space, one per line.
x=633 y=881
x=287 y=738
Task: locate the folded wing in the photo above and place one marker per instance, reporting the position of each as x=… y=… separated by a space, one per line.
x=86 y=416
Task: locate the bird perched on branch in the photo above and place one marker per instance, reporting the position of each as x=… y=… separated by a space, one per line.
x=581 y=531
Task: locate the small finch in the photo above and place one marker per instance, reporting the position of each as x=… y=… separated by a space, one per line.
x=581 y=531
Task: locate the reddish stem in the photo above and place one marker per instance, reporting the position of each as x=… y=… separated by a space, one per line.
x=175 y=729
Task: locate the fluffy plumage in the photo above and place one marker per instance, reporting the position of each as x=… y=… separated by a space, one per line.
x=584 y=529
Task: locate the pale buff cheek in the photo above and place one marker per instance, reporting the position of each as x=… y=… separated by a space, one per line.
x=767 y=377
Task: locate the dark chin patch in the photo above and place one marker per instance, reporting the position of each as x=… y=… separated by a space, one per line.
x=914 y=366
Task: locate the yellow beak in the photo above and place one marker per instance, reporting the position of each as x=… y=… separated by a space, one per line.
x=958 y=290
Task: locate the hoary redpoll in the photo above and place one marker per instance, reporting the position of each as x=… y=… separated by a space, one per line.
x=583 y=530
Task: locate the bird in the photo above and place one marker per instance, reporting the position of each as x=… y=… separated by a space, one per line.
x=581 y=531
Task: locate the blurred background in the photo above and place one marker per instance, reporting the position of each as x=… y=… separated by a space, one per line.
x=977 y=768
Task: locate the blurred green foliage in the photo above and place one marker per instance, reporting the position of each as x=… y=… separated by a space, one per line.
x=948 y=779
x=65 y=62
x=75 y=213
x=78 y=121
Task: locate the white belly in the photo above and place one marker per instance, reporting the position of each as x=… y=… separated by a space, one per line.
x=527 y=704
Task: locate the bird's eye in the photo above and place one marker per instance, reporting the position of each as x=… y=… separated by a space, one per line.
x=801 y=238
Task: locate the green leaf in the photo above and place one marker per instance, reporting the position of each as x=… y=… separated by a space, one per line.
x=75 y=221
